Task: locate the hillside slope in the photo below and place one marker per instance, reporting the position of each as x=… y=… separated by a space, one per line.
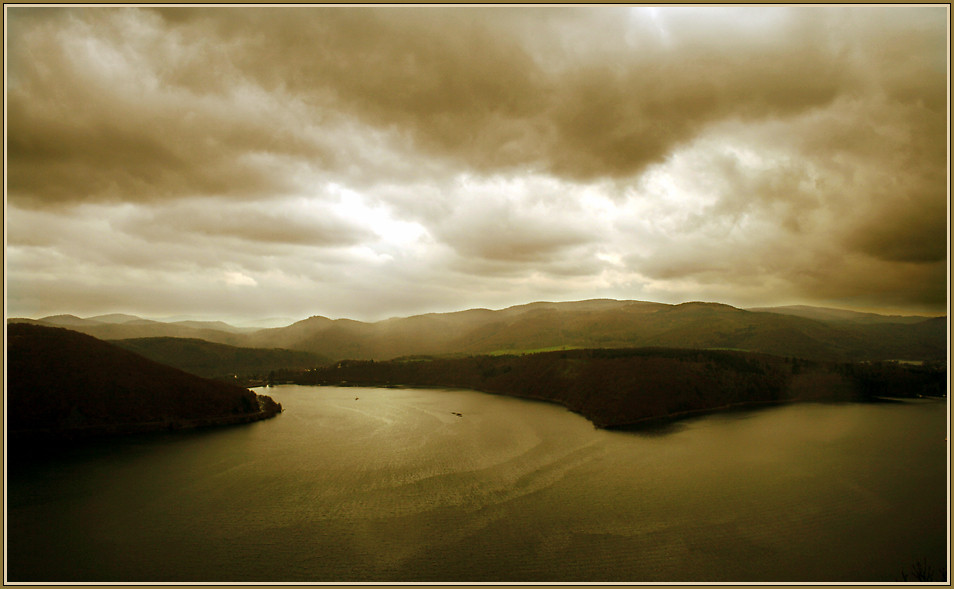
x=64 y=384
x=213 y=360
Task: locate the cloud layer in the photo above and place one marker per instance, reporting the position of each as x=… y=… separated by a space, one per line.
x=370 y=162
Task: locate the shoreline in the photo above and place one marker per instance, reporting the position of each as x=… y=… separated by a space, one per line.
x=646 y=422
x=641 y=423
x=131 y=428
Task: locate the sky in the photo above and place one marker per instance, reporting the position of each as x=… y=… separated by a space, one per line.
x=240 y=163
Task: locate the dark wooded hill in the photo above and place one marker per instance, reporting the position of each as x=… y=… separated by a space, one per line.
x=64 y=384
x=214 y=360
x=620 y=387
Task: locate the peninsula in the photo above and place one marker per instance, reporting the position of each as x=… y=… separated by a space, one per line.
x=626 y=387
x=64 y=385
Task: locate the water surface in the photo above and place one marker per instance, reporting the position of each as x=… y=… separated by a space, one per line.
x=357 y=484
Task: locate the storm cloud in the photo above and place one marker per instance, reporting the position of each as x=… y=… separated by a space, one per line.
x=370 y=162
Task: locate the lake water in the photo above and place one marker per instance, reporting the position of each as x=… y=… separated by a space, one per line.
x=358 y=484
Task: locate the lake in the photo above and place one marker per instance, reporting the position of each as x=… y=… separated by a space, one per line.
x=363 y=484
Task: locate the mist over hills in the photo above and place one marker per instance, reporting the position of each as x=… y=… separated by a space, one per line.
x=117 y=318
x=111 y=328
x=797 y=331
x=829 y=314
x=613 y=324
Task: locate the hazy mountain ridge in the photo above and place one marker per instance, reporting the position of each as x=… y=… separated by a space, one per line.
x=116 y=318
x=136 y=327
x=831 y=314
x=808 y=332
x=64 y=384
x=613 y=324
x=214 y=325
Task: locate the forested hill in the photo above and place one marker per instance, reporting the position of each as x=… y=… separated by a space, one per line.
x=64 y=384
x=214 y=360
x=618 y=387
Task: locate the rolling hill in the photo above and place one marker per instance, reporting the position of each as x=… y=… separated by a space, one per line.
x=613 y=324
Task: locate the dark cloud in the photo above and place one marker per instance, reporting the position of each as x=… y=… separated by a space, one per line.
x=851 y=281
x=881 y=176
x=95 y=113
x=158 y=105
x=466 y=88
x=907 y=230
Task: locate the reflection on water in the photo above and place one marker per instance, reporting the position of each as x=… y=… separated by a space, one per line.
x=432 y=485
x=654 y=428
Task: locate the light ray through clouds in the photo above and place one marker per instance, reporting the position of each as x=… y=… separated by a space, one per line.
x=235 y=163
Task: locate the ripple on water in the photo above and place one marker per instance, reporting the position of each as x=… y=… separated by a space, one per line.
x=394 y=486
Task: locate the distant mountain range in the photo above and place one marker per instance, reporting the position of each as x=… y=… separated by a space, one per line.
x=65 y=385
x=839 y=315
x=795 y=331
x=119 y=326
x=615 y=324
